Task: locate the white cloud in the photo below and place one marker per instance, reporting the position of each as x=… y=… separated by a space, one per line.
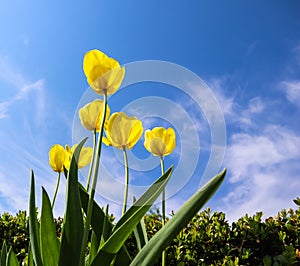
x=292 y=91
x=4 y=109
x=263 y=171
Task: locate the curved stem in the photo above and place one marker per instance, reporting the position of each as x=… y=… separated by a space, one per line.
x=126 y=181
x=56 y=189
x=92 y=162
x=163 y=206
x=94 y=183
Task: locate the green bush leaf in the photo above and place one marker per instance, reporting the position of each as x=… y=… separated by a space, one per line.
x=11 y=259
x=33 y=225
x=129 y=221
x=72 y=231
x=48 y=239
x=151 y=252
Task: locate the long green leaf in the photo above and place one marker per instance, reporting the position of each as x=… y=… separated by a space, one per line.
x=11 y=259
x=48 y=239
x=98 y=215
x=129 y=221
x=3 y=254
x=98 y=218
x=140 y=233
x=72 y=231
x=33 y=225
x=30 y=258
x=151 y=252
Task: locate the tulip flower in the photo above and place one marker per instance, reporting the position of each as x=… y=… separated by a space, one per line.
x=123 y=132
x=84 y=156
x=90 y=115
x=160 y=141
x=103 y=73
x=60 y=158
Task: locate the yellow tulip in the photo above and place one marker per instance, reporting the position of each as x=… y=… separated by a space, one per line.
x=160 y=141
x=84 y=157
x=58 y=157
x=90 y=115
x=102 y=72
x=122 y=131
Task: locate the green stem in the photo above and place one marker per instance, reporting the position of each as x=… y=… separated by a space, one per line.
x=94 y=184
x=126 y=181
x=56 y=189
x=163 y=206
x=92 y=162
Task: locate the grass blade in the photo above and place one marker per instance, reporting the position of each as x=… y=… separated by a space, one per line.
x=151 y=252
x=33 y=225
x=48 y=239
x=72 y=231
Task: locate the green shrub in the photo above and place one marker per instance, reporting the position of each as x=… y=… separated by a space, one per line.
x=207 y=240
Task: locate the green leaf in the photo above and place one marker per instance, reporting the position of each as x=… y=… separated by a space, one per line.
x=33 y=225
x=98 y=215
x=98 y=218
x=129 y=220
x=123 y=257
x=151 y=252
x=11 y=259
x=30 y=258
x=48 y=239
x=3 y=254
x=140 y=233
x=72 y=231
x=297 y=201
x=95 y=242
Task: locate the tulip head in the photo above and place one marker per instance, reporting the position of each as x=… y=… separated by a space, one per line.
x=85 y=155
x=160 y=141
x=90 y=115
x=58 y=158
x=122 y=131
x=102 y=72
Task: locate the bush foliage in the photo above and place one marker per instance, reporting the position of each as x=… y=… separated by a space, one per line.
x=208 y=239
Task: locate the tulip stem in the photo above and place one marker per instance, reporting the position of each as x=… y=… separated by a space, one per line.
x=126 y=181
x=163 y=206
x=56 y=189
x=94 y=184
x=92 y=161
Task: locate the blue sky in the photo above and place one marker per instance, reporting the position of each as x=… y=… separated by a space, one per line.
x=248 y=52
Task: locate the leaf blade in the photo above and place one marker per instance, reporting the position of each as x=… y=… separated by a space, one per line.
x=72 y=231
x=33 y=225
x=130 y=219
x=11 y=259
x=48 y=239
x=163 y=237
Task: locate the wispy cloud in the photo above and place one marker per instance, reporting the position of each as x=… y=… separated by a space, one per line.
x=262 y=155
x=22 y=118
x=292 y=91
x=4 y=109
